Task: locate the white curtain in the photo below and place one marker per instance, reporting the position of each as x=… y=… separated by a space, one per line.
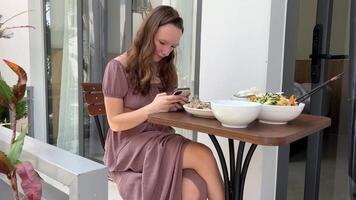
x=68 y=133
x=186 y=53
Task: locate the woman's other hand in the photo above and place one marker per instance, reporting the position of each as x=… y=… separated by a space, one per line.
x=176 y=107
x=179 y=105
x=187 y=95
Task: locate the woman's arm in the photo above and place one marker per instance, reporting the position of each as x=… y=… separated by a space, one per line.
x=120 y=120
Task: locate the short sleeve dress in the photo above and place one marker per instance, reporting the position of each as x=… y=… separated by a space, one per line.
x=145 y=161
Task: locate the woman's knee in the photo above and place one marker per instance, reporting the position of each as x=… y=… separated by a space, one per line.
x=203 y=151
x=198 y=153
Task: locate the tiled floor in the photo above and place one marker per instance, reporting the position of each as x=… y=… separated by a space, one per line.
x=333 y=173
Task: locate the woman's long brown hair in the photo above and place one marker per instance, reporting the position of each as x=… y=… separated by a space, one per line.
x=140 y=54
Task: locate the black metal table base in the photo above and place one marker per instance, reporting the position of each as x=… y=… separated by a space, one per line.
x=234 y=185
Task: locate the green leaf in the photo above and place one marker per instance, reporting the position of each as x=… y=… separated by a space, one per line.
x=5 y=92
x=21 y=109
x=2 y=110
x=17 y=162
x=16 y=148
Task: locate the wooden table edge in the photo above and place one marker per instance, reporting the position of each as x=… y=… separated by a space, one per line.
x=259 y=140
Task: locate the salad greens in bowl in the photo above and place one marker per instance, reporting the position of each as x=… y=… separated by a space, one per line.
x=277 y=108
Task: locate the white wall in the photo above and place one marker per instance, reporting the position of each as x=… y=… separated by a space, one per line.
x=15 y=49
x=235 y=45
x=37 y=69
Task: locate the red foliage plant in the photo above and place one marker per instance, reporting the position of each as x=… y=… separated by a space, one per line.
x=10 y=165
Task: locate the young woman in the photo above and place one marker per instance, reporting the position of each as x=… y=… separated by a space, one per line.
x=149 y=161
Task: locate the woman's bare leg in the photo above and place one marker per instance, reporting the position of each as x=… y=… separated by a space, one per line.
x=200 y=158
x=189 y=190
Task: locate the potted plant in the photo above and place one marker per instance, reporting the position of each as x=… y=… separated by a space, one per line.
x=10 y=165
x=12 y=101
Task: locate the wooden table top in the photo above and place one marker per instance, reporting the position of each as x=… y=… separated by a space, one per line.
x=257 y=133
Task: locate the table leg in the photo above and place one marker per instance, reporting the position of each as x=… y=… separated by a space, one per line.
x=234 y=186
x=232 y=168
x=239 y=160
x=246 y=163
x=223 y=166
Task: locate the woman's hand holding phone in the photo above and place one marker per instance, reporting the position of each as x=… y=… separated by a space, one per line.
x=182 y=92
x=165 y=103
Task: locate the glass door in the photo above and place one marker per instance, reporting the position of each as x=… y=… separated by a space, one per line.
x=95 y=53
x=62 y=73
x=81 y=37
x=322 y=49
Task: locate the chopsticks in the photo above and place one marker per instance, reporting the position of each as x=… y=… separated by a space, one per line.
x=307 y=95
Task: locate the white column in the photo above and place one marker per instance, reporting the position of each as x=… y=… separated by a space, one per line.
x=235 y=54
x=37 y=68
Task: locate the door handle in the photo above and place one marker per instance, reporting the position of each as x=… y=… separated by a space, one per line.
x=316 y=52
x=327 y=56
x=317 y=55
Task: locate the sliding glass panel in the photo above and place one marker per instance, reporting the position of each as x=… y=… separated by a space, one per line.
x=62 y=71
x=334 y=180
x=106 y=31
x=334 y=174
x=94 y=34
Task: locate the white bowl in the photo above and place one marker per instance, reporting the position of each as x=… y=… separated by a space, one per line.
x=272 y=114
x=235 y=114
x=204 y=113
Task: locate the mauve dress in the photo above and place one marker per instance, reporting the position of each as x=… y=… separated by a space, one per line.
x=145 y=161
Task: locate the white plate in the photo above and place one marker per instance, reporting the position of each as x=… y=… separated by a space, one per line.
x=204 y=113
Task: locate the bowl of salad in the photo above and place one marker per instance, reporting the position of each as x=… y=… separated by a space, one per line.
x=277 y=108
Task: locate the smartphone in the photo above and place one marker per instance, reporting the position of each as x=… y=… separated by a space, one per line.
x=182 y=91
